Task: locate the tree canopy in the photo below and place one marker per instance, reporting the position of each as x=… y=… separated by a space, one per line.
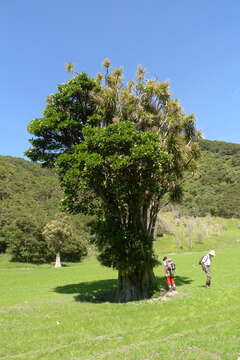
x=65 y=115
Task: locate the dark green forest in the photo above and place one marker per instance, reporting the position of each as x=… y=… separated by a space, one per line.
x=214 y=188
x=30 y=197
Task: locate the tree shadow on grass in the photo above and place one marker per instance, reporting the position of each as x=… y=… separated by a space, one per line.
x=106 y=290
x=93 y=291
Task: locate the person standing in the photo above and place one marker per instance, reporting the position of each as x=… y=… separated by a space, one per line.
x=168 y=270
x=205 y=262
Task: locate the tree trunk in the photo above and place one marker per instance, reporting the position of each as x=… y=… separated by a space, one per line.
x=136 y=284
x=58 y=261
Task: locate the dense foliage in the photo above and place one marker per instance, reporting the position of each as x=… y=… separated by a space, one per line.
x=133 y=146
x=215 y=187
x=65 y=115
x=121 y=165
x=29 y=198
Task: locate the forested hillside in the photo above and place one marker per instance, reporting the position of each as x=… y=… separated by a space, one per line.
x=215 y=188
x=30 y=197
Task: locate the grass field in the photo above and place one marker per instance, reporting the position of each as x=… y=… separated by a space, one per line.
x=50 y=314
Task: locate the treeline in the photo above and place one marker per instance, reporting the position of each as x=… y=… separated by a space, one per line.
x=29 y=199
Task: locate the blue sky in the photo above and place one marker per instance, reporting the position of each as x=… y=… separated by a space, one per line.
x=194 y=44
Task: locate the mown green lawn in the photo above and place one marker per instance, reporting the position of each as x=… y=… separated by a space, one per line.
x=48 y=313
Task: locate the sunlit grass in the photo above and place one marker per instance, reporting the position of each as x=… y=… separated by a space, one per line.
x=49 y=314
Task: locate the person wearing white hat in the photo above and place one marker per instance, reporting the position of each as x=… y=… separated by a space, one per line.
x=206 y=261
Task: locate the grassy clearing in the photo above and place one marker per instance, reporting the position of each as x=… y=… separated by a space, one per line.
x=49 y=313
x=223 y=233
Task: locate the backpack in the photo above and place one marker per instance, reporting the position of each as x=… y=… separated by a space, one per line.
x=200 y=260
x=171 y=267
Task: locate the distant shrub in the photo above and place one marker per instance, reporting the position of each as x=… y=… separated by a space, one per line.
x=26 y=243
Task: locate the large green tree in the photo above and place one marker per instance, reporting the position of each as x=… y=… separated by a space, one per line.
x=133 y=148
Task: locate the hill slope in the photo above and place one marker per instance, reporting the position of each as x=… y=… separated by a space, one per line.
x=215 y=188
x=26 y=190
x=29 y=198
